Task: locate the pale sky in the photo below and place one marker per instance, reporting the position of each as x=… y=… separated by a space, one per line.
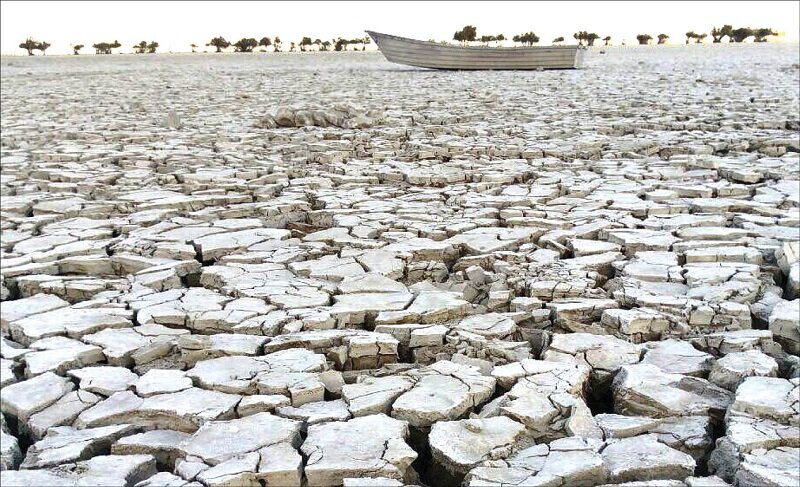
x=176 y=25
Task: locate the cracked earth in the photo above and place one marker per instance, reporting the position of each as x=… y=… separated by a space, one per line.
x=324 y=269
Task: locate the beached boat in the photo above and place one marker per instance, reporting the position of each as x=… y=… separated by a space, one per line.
x=426 y=54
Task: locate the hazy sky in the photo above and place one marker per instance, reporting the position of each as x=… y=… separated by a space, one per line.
x=175 y=25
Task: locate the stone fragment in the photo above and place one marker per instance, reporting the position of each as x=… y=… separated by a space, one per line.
x=23 y=399
x=457 y=446
x=368 y=446
x=644 y=389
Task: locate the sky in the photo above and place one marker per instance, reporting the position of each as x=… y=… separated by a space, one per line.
x=176 y=25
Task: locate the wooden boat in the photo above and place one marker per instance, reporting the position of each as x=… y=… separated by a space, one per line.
x=426 y=54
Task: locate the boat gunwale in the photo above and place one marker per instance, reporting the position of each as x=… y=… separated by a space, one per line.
x=466 y=48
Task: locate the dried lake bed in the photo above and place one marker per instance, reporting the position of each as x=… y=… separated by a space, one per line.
x=324 y=269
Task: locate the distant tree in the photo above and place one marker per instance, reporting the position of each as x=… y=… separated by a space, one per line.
x=718 y=34
x=644 y=39
x=699 y=38
x=740 y=34
x=318 y=43
x=606 y=40
x=341 y=44
x=151 y=48
x=141 y=47
x=245 y=44
x=367 y=40
x=105 y=47
x=325 y=46
x=304 y=43
x=42 y=46
x=277 y=44
x=498 y=38
x=355 y=43
x=690 y=35
x=76 y=48
x=558 y=40
x=662 y=38
x=591 y=37
x=29 y=45
x=466 y=35
x=528 y=38
x=762 y=34
x=194 y=47
x=727 y=30
x=219 y=43
x=265 y=42
x=580 y=36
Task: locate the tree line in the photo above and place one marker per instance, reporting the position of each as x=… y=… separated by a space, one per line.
x=245 y=44
x=470 y=34
x=248 y=44
x=464 y=36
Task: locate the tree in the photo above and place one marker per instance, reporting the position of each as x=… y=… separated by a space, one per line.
x=326 y=45
x=591 y=37
x=304 y=43
x=105 y=47
x=318 y=43
x=466 y=35
x=341 y=44
x=727 y=30
x=151 y=48
x=194 y=47
x=277 y=44
x=528 y=38
x=29 y=45
x=740 y=34
x=662 y=38
x=141 y=47
x=220 y=43
x=355 y=43
x=699 y=38
x=718 y=34
x=42 y=46
x=580 y=36
x=558 y=40
x=76 y=48
x=245 y=44
x=498 y=38
x=606 y=40
x=690 y=35
x=367 y=40
x=762 y=34
x=265 y=42
x=644 y=39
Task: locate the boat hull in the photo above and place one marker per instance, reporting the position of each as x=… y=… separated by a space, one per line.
x=432 y=55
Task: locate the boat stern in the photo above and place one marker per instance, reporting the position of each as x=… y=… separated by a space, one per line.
x=580 y=53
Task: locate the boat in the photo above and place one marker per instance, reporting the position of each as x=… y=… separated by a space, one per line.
x=434 y=55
